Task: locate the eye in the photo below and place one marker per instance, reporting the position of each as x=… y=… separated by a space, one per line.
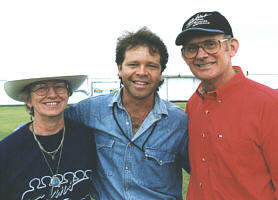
x=191 y=48
x=59 y=86
x=152 y=66
x=132 y=64
x=210 y=44
x=40 y=88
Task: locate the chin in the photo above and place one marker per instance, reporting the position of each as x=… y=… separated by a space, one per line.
x=54 y=114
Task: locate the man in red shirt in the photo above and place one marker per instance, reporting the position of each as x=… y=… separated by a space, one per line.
x=233 y=121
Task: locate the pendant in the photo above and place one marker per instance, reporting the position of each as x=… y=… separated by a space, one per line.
x=55 y=181
x=53 y=156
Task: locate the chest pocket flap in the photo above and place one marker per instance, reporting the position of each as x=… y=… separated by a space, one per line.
x=104 y=142
x=161 y=157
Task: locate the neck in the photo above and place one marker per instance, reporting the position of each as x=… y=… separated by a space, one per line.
x=214 y=84
x=138 y=110
x=138 y=105
x=49 y=127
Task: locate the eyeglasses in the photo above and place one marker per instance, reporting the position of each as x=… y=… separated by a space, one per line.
x=42 y=89
x=209 y=46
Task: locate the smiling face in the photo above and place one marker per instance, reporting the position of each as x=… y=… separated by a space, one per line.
x=215 y=69
x=49 y=99
x=140 y=73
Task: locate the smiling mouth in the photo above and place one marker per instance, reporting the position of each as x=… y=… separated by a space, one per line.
x=204 y=65
x=140 y=83
x=51 y=103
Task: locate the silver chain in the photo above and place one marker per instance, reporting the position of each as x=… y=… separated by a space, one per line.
x=54 y=177
x=50 y=153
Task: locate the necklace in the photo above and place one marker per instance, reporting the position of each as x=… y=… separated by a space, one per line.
x=50 y=153
x=122 y=131
x=55 y=181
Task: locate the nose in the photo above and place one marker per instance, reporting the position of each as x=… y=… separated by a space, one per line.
x=201 y=53
x=142 y=70
x=51 y=92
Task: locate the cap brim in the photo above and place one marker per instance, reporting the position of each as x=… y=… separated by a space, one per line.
x=14 y=88
x=189 y=33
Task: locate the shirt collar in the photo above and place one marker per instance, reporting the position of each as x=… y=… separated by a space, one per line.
x=160 y=107
x=220 y=91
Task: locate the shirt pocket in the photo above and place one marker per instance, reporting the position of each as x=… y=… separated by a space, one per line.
x=231 y=154
x=159 y=169
x=105 y=154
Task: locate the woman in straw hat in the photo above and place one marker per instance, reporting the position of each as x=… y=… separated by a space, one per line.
x=50 y=157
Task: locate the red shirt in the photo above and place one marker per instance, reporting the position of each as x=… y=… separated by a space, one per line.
x=233 y=142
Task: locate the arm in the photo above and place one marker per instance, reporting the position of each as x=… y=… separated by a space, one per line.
x=183 y=149
x=269 y=141
x=79 y=112
x=183 y=155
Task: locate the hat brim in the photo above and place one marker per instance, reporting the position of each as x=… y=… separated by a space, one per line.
x=183 y=37
x=15 y=88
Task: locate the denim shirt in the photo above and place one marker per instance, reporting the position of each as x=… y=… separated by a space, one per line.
x=123 y=170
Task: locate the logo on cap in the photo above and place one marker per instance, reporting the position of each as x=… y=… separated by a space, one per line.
x=198 y=20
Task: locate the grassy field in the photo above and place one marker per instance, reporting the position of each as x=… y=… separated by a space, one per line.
x=12 y=116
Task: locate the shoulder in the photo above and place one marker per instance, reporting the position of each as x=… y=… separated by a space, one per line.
x=88 y=108
x=79 y=134
x=98 y=99
x=92 y=102
x=261 y=93
x=16 y=139
x=77 y=127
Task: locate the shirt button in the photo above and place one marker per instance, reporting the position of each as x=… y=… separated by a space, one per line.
x=160 y=162
x=203 y=135
x=203 y=159
x=126 y=168
x=127 y=123
x=207 y=112
x=219 y=101
x=220 y=136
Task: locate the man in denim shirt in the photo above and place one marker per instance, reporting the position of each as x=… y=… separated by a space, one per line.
x=141 y=139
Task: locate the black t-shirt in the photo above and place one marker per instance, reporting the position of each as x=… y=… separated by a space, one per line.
x=24 y=173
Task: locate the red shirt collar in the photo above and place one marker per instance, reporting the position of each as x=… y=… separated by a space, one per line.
x=234 y=81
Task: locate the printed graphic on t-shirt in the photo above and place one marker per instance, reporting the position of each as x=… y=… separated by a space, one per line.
x=41 y=188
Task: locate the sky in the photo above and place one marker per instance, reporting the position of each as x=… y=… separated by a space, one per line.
x=67 y=37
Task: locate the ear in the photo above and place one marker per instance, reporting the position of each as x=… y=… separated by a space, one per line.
x=161 y=77
x=120 y=70
x=29 y=104
x=234 y=45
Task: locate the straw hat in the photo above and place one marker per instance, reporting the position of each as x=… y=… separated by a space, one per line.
x=15 y=88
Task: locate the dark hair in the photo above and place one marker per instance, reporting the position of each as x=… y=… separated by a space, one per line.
x=143 y=37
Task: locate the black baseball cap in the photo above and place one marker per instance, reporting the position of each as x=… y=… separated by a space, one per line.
x=204 y=22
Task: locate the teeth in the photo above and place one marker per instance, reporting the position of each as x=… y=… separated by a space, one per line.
x=140 y=83
x=51 y=104
x=205 y=65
